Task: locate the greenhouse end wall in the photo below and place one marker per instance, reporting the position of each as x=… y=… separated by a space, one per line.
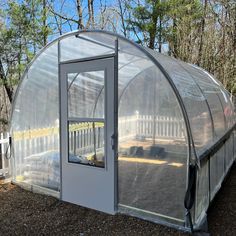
x=170 y=114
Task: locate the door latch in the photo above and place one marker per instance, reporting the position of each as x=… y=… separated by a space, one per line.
x=113 y=141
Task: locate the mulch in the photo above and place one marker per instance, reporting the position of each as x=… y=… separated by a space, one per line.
x=27 y=213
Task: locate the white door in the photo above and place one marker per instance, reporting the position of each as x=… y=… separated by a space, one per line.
x=87 y=128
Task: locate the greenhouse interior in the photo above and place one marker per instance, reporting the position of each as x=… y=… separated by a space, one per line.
x=102 y=122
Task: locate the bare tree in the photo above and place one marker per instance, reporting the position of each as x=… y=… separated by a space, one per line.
x=122 y=5
x=90 y=22
x=80 y=14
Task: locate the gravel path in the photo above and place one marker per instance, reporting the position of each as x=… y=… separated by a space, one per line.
x=26 y=213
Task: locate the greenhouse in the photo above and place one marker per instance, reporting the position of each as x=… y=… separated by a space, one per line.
x=104 y=123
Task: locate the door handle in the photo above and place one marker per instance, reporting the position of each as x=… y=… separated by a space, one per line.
x=113 y=141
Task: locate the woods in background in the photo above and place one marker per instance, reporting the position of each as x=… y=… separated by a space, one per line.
x=201 y=32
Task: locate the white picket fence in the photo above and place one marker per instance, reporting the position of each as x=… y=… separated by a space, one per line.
x=148 y=126
x=82 y=141
x=4 y=154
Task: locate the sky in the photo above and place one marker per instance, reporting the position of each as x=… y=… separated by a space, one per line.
x=68 y=8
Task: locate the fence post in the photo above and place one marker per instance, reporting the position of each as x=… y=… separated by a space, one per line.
x=74 y=142
x=3 y=152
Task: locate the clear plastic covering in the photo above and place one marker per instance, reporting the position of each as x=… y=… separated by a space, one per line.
x=210 y=91
x=153 y=145
x=229 y=153
x=86 y=94
x=35 y=123
x=202 y=192
x=216 y=171
x=234 y=139
x=81 y=46
x=194 y=101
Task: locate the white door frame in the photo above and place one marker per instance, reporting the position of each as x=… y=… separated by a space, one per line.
x=90 y=186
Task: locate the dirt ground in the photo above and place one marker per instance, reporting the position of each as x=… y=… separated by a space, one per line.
x=26 y=213
x=157 y=187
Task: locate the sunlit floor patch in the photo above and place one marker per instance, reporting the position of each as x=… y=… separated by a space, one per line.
x=142 y=160
x=150 y=161
x=176 y=164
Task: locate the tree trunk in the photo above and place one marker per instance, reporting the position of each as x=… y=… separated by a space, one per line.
x=203 y=22
x=160 y=35
x=45 y=35
x=122 y=16
x=90 y=22
x=223 y=47
x=79 y=11
x=153 y=31
x=7 y=87
x=175 y=43
x=92 y=11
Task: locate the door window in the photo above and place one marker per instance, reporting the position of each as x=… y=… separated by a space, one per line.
x=86 y=122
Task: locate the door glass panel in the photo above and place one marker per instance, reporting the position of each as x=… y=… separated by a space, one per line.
x=86 y=118
x=86 y=143
x=86 y=94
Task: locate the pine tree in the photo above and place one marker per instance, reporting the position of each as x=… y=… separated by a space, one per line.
x=148 y=22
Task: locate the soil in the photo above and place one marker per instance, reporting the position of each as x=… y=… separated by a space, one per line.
x=27 y=213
